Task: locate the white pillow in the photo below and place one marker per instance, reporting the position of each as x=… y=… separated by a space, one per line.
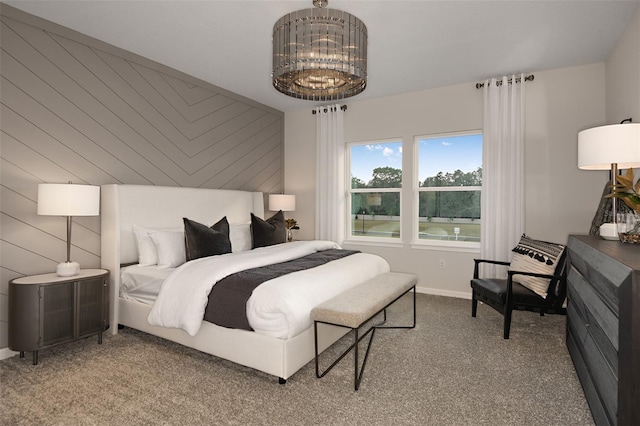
x=170 y=248
x=147 y=253
x=240 y=236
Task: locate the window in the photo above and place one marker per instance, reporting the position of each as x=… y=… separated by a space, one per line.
x=449 y=187
x=375 y=170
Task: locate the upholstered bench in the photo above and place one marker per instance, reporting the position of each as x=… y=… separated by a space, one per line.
x=356 y=306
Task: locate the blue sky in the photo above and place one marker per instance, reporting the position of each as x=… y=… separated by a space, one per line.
x=443 y=154
x=365 y=158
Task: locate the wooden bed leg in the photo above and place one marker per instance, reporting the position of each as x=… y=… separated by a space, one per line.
x=282 y=381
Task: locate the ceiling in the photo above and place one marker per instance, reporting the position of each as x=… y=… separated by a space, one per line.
x=413 y=45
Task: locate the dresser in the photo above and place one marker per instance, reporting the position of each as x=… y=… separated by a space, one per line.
x=47 y=310
x=603 y=326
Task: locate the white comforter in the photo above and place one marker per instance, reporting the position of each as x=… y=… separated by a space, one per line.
x=279 y=307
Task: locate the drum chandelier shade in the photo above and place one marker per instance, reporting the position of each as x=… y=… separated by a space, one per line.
x=319 y=54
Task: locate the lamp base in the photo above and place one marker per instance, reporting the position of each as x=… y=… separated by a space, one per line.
x=68 y=269
x=609 y=231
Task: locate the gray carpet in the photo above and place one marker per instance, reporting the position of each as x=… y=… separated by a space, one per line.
x=451 y=370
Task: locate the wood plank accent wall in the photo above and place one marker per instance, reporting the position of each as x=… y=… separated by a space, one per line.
x=76 y=109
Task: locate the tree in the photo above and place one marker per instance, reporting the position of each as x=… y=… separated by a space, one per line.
x=357 y=182
x=451 y=203
x=386 y=177
x=457 y=178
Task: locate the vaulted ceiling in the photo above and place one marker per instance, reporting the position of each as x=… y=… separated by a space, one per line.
x=413 y=45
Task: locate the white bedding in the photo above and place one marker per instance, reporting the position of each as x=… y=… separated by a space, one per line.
x=142 y=283
x=278 y=308
x=281 y=307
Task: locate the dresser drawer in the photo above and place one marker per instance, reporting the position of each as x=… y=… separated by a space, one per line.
x=598 y=316
x=603 y=276
x=598 y=410
x=603 y=326
x=598 y=362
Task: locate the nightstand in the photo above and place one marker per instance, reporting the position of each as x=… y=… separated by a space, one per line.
x=47 y=310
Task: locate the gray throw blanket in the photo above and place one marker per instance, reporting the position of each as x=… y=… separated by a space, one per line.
x=228 y=297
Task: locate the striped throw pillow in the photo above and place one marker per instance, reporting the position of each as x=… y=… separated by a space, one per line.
x=537 y=256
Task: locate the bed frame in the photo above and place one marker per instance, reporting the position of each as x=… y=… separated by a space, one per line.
x=122 y=206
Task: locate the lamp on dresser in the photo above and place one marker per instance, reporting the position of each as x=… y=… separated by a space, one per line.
x=610 y=148
x=68 y=200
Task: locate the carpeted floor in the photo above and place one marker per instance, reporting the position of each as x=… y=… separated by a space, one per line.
x=451 y=370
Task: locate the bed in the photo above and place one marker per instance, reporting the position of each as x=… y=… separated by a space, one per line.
x=123 y=206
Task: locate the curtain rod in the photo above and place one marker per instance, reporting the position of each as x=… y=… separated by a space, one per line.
x=499 y=82
x=326 y=109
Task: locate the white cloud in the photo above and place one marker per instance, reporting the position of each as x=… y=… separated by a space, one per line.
x=387 y=152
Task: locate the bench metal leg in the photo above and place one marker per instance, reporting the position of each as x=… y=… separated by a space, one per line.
x=400 y=326
x=358 y=377
x=357 y=339
x=319 y=375
x=358 y=372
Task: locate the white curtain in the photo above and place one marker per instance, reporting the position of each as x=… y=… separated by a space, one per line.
x=330 y=172
x=503 y=174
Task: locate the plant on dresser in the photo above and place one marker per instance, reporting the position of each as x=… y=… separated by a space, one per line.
x=48 y=310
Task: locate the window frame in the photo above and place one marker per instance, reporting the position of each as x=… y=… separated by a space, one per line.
x=360 y=239
x=447 y=245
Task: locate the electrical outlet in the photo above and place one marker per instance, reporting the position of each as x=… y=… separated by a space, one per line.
x=442 y=264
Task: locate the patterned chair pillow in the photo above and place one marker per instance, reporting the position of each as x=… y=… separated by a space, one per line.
x=537 y=256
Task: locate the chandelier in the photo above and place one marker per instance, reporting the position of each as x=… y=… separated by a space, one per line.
x=319 y=54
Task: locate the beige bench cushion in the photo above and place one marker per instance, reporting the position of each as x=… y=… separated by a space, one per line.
x=358 y=304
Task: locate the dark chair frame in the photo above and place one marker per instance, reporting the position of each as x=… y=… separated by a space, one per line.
x=505 y=295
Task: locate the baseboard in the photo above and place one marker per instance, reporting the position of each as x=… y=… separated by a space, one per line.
x=7 y=353
x=446 y=293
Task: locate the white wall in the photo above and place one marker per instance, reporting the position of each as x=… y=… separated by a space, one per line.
x=560 y=198
x=622 y=76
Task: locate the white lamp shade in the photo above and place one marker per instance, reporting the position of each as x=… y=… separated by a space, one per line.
x=68 y=200
x=286 y=203
x=599 y=147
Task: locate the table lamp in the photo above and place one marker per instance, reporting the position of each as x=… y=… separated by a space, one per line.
x=286 y=203
x=68 y=200
x=610 y=147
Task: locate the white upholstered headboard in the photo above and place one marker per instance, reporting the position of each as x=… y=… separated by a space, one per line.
x=122 y=206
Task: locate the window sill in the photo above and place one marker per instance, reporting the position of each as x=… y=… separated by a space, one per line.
x=373 y=243
x=455 y=246
x=460 y=246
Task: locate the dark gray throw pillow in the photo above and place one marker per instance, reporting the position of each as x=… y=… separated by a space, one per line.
x=202 y=241
x=268 y=232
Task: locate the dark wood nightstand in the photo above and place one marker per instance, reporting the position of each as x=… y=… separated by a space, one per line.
x=48 y=310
